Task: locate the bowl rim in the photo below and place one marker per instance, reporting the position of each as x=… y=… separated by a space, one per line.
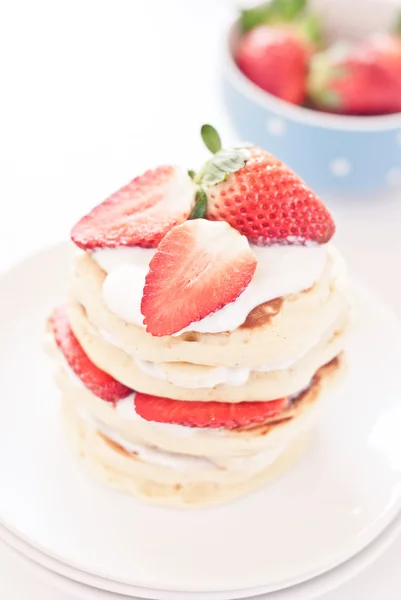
x=295 y=112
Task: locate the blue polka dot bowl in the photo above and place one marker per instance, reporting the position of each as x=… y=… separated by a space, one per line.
x=334 y=154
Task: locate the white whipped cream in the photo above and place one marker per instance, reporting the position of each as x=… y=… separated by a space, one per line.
x=209 y=377
x=281 y=271
x=187 y=462
x=149 y=454
x=252 y=463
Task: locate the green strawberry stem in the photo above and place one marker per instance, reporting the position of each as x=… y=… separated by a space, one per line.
x=323 y=74
x=272 y=12
x=199 y=210
x=211 y=138
x=289 y=14
x=222 y=162
x=216 y=169
x=289 y=9
x=397 y=24
x=309 y=27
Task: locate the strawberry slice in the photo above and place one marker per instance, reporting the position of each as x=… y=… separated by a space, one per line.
x=206 y=414
x=198 y=268
x=140 y=213
x=97 y=381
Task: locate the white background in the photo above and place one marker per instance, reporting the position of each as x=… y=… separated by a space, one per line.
x=94 y=91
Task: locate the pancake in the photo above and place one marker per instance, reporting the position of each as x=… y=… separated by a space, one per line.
x=122 y=418
x=121 y=471
x=205 y=480
x=284 y=328
x=259 y=386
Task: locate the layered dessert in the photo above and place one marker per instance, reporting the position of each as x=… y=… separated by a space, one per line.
x=206 y=317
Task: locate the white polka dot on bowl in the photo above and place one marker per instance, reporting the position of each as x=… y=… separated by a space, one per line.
x=393 y=176
x=276 y=126
x=340 y=167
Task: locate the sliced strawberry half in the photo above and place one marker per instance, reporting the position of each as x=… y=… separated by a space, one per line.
x=97 y=381
x=198 y=268
x=140 y=213
x=206 y=414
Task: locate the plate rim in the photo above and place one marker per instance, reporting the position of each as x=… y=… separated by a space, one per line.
x=374 y=530
x=343 y=573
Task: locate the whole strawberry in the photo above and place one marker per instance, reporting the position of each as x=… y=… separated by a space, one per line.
x=260 y=197
x=358 y=79
x=276 y=60
x=274 y=50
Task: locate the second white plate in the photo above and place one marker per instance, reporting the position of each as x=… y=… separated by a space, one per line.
x=86 y=586
x=333 y=504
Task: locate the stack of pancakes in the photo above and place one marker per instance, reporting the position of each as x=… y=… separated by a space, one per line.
x=289 y=347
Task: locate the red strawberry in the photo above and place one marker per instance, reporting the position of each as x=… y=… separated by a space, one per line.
x=260 y=197
x=140 y=213
x=198 y=268
x=206 y=414
x=359 y=79
x=97 y=381
x=276 y=60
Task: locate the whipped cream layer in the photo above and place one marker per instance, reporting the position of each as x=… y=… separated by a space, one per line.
x=125 y=409
x=146 y=453
x=281 y=271
x=186 y=462
x=208 y=377
x=205 y=376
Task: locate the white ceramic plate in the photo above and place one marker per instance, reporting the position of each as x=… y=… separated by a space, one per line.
x=12 y=559
x=333 y=504
x=89 y=587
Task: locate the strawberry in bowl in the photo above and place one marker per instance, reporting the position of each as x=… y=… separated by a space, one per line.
x=274 y=50
x=340 y=128
x=358 y=79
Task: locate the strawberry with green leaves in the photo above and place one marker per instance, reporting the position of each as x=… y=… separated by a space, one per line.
x=290 y=14
x=259 y=196
x=358 y=79
x=204 y=264
x=274 y=50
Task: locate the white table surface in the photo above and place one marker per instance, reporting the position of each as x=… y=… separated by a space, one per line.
x=95 y=91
